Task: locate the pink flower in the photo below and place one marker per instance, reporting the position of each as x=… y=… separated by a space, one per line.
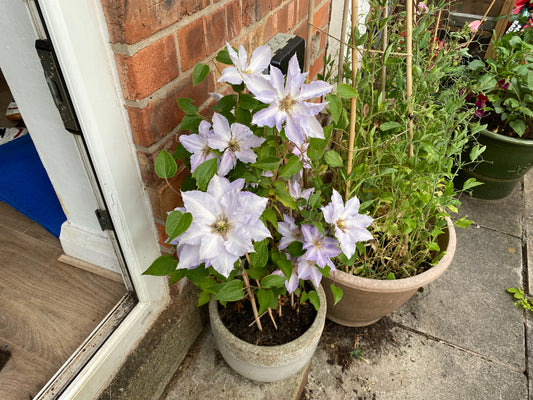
x=422 y=8
x=474 y=26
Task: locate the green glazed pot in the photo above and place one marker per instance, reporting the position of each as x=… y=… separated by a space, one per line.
x=505 y=161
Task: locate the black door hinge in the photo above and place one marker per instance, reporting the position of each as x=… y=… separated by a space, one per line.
x=104 y=219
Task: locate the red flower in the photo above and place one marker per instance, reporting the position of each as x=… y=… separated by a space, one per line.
x=481 y=100
x=503 y=85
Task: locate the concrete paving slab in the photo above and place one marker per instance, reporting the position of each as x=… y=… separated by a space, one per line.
x=469 y=306
x=503 y=215
x=205 y=375
x=411 y=366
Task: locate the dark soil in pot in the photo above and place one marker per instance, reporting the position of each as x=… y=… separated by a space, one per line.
x=293 y=323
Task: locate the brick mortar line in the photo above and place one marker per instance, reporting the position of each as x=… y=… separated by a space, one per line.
x=461 y=348
x=525 y=277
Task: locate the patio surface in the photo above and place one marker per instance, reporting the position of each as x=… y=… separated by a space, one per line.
x=459 y=338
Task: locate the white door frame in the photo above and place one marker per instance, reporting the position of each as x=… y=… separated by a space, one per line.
x=79 y=34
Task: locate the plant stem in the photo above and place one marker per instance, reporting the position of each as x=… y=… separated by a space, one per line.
x=269 y=309
x=251 y=297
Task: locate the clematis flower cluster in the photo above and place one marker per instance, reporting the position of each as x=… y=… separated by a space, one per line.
x=256 y=203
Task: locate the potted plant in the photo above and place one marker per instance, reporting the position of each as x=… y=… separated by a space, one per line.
x=504 y=101
x=407 y=144
x=253 y=233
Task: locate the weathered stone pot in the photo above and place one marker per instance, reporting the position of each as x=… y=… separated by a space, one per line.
x=366 y=300
x=505 y=161
x=267 y=363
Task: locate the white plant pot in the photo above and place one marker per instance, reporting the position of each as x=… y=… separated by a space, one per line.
x=267 y=363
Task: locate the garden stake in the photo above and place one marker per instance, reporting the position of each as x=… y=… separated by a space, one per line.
x=409 y=75
x=384 y=47
x=308 y=44
x=251 y=297
x=353 y=104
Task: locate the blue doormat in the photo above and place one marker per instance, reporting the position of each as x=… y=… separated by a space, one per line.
x=25 y=186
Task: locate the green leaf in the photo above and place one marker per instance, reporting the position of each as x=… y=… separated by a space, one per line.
x=180 y=152
x=230 y=291
x=204 y=298
x=163 y=265
x=471 y=183
x=391 y=276
x=333 y=159
x=433 y=246
x=530 y=80
x=295 y=249
x=165 y=165
x=247 y=102
x=335 y=106
x=267 y=299
x=226 y=104
x=272 y=281
x=314 y=299
x=199 y=73
x=204 y=172
x=304 y=297
x=346 y=91
x=186 y=105
x=197 y=275
x=463 y=223
x=223 y=57
x=315 y=149
x=285 y=198
x=476 y=151
x=190 y=123
x=293 y=166
x=259 y=258
x=337 y=293
x=386 y=126
x=177 y=223
x=177 y=275
x=475 y=65
x=518 y=126
x=269 y=215
x=267 y=163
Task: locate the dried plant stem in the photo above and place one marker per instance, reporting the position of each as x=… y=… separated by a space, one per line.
x=340 y=72
x=482 y=20
x=409 y=76
x=270 y=314
x=251 y=297
x=279 y=306
x=353 y=105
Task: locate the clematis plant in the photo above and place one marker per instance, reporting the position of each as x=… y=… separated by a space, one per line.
x=259 y=215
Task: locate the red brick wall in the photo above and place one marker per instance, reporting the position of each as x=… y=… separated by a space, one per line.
x=158 y=42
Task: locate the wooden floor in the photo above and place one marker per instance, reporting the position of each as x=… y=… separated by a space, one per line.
x=47 y=308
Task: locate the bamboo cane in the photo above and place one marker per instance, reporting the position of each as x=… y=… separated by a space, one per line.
x=353 y=105
x=409 y=80
x=309 y=45
x=340 y=72
x=383 y=48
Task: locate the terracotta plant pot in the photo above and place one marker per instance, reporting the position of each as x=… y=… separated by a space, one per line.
x=366 y=300
x=267 y=363
x=505 y=161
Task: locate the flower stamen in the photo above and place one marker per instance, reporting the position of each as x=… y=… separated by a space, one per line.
x=286 y=104
x=221 y=226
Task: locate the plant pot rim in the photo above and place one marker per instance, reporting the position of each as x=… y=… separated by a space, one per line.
x=402 y=284
x=271 y=350
x=509 y=140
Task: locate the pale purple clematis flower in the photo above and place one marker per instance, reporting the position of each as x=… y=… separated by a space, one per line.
x=236 y=142
x=242 y=69
x=319 y=248
x=308 y=271
x=287 y=102
x=292 y=283
x=350 y=226
x=198 y=145
x=296 y=191
x=225 y=224
x=289 y=232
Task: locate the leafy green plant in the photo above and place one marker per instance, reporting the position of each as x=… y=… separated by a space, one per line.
x=407 y=195
x=505 y=95
x=523 y=302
